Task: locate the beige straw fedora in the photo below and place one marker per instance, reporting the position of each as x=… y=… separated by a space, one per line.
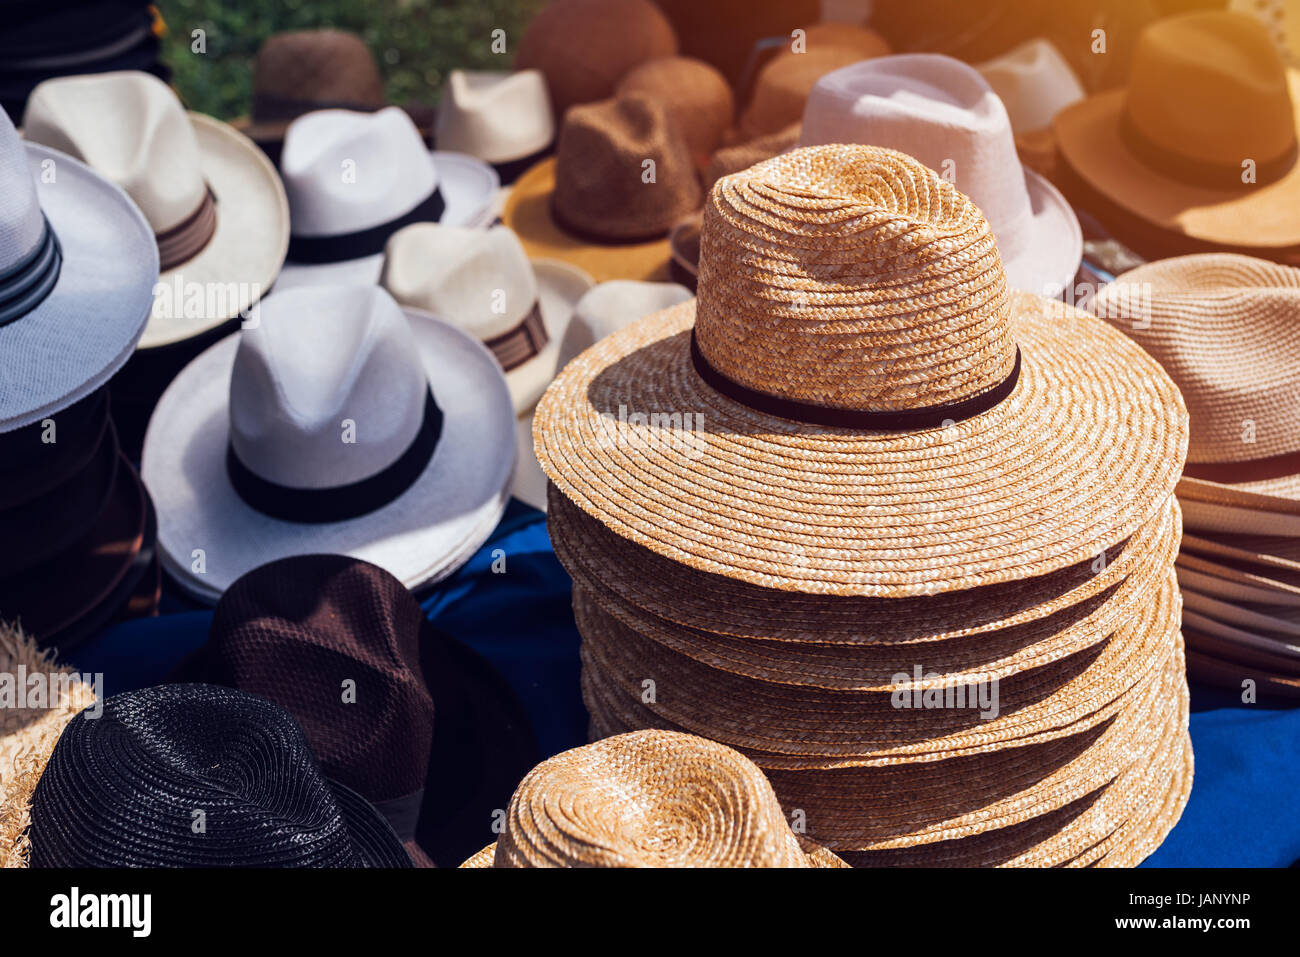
x=213 y=199
x=648 y=799
x=843 y=442
x=622 y=175
x=28 y=735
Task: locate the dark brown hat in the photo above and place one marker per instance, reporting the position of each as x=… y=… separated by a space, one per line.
x=584 y=47
x=411 y=719
x=623 y=171
x=695 y=94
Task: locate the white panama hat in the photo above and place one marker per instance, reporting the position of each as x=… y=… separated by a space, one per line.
x=354 y=179
x=1034 y=82
x=78 y=265
x=340 y=423
x=503 y=118
x=209 y=194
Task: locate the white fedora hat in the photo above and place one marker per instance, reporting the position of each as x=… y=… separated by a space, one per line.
x=499 y=117
x=354 y=179
x=78 y=265
x=1035 y=83
x=340 y=423
x=211 y=197
x=943 y=113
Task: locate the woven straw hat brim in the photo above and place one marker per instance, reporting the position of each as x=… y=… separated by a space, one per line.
x=27 y=737
x=1279 y=494
x=1278 y=627
x=1264 y=217
x=1233 y=675
x=1280 y=660
x=1274 y=586
x=251 y=238
x=1086 y=449
x=829 y=729
x=1273 y=552
x=723 y=606
x=1147 y=829
x=873 y=667
x=815 y=854
x=1236 y=519
x=528 y=213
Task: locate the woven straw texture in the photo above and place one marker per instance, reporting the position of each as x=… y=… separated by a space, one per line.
x=648 y=799
x=27 y=736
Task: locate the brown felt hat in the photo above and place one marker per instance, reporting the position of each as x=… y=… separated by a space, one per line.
x=696 y=95
x=622 y=175
x=584 y=47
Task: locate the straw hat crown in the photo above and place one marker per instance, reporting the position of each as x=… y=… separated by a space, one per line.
x=851 y=277
x=1207 y=92
x=647 y=799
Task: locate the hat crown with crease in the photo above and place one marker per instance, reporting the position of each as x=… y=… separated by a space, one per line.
x=647 y=799
x=297 y=630
x=22 y=226
x=331 y=68
x=602 y=165
x=1034 y=82
x=1209 y=90
x=131 y=128
x=498 y=117
x=346 y=171
x=936 y=109
x=696 y=93
x=479 y=280
x=323 y=358
x=869 y=233
x=1223 y=327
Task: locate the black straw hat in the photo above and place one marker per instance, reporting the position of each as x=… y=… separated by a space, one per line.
x=198 y=776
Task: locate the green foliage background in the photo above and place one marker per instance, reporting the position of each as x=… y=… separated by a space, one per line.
x=416 y=42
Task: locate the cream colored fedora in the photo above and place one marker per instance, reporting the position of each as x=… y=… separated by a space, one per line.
x=504 y=119
x=943 y=113
x=1035 y=83
x=212 y=198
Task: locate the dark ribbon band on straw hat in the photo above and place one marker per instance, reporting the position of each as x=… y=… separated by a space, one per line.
x=190 y=236
x=1200 y=172
x=25 y=285
x=340 y=502
x=893 y=420
x=363 y=242
x=518 y=345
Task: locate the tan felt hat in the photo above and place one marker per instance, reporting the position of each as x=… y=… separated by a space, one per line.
x=648 y=799
x=843 y=441
x=1202 y=142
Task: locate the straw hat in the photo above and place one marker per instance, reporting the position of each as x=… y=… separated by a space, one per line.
x=584 y=47
x=782 y=87
x=113 y=786
x=1063 y=437
x=354 y=179
x=621 y=177
x=1209 y=96
x=27 y=736
x=648 y=799
x=696 y=94
x=390 y=440
x=1221 y=326
x=942 y=112
x=501 y=118
x=212 y=199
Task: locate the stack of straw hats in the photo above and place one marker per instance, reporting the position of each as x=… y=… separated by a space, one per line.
x=1223 y=326
x=912 y=552
x=649 y=799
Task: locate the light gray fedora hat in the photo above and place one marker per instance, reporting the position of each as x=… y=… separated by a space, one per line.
x=340 y=423
x=78 y=264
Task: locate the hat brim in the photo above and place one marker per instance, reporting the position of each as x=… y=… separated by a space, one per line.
x=373 y=838
x=559 y=287
x=420 y=537
x=814 y=854
x=468 y=187
x=528 y=213
x=1265 y=216
x=89 y=324
x=1051 y=248
x=1223 y=673
x=247 y=247
x=1085 y=449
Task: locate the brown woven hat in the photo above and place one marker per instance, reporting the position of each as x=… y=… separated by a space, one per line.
x=621 y=177
x=649 y=799
x=842 y=440
x=695 y=93
x=27 y=737
x=782 y=87
x=305 y=70
x=584 y=47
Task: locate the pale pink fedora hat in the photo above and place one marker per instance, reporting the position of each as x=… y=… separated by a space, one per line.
x=943 y=113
